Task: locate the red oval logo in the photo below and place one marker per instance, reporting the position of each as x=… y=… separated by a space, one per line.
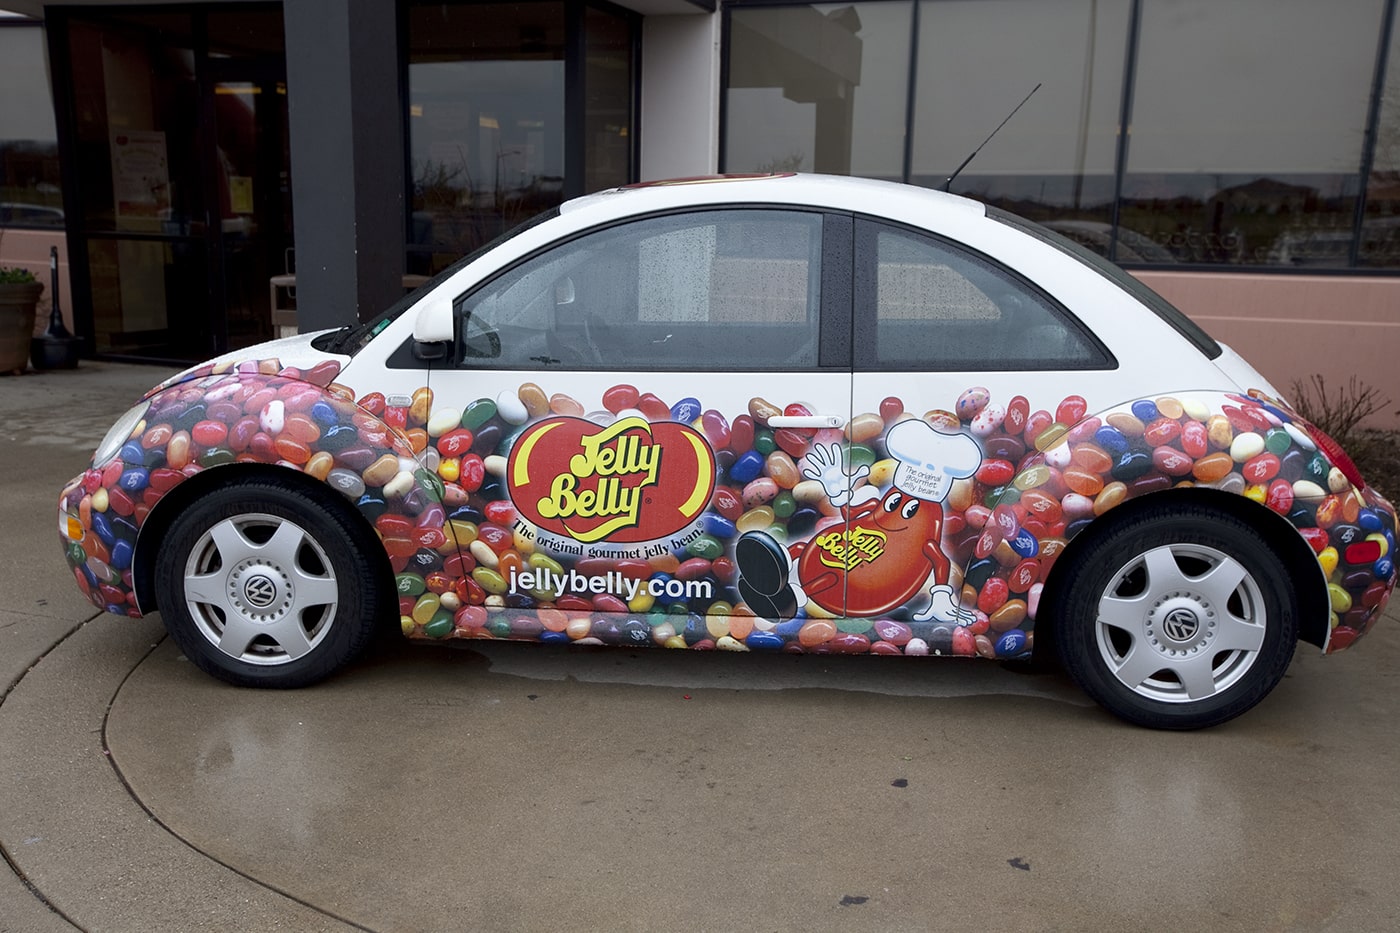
x=629 y=482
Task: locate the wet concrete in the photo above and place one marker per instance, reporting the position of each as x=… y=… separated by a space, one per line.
x=508 y=787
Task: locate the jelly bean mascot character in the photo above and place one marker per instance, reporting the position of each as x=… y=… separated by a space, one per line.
x=890 y=545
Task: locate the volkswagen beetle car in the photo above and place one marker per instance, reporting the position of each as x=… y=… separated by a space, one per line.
x=777 y=413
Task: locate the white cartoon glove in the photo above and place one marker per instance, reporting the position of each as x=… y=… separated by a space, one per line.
x=827 y=468
x=943 y=607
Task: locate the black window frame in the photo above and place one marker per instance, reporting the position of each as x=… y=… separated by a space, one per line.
x=865 y=294
x=833 y=325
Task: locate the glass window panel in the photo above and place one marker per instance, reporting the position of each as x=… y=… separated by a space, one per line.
x=137 y=108
x=714 y=290
x=819 y=88
x=1248 y=120
x=1380 y=233
x=142 y=295
x=1054 y=160
x=486 y=122
x=30 y=192
x=940 y=308
x=607 y=114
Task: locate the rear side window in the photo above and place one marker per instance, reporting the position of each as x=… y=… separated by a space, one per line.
x=935 y=306
x=1160 y=306
x=716 y=290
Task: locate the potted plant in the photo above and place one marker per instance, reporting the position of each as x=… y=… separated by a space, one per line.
x=19 y=298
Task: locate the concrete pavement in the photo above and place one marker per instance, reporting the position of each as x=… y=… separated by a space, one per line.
x=512 y=787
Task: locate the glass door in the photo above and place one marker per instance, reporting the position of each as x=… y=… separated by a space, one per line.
x=180 y=196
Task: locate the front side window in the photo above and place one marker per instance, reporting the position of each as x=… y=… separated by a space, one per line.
x=936 y=307
x=712 y=290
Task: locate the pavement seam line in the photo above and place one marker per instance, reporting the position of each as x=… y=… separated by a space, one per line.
x=4 y=849
x=126 y=785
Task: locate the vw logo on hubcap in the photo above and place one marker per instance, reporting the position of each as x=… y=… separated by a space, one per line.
x=1180 y=625
x=259 y=591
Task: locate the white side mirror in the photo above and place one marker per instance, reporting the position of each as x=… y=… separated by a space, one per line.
x=433 y=320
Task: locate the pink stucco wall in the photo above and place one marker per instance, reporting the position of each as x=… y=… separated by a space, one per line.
x=1291 y=326
x=29 y=249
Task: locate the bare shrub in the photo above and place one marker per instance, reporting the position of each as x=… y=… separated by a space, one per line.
x=1339 y=413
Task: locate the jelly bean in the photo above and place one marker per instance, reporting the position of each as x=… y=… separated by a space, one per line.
x=1023 y=544
x=1219 y=432
x=1146 y=411
x=1213 y=467
x=686 y=410
x=891 y=408
x=1036 y=422
x=1109 y=440
x=1306 y=489
x=971 y=402
x=1300 y=437
x=1131 y=465
x=987 y=421
x=1071 y=410
x=653 y=408
x=705 y=546
x=1010 y=644
x=1126 y=424
x=792 y=441
x=747 y=468
x=995 y=472
x=1261 y=468
x=620 y=397
x=760 y=491
x=561 y=404
x=1051 y=436
x=1033 y=477
x=1110 y=496
x=512 y=409
x=1246 y=446
x=781 y=468
x=882 y=472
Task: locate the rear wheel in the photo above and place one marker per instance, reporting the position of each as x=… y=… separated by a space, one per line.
x=265 y=583
x=1178 y=619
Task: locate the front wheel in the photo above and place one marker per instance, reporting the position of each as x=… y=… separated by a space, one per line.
x=264 y=583
x=1178 y=619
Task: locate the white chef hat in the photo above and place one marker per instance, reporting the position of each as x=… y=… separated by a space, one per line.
x=929 y=459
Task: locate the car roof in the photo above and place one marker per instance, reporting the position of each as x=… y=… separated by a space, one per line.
x=834 y=192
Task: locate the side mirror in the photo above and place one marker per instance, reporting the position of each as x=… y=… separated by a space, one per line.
x=433 y=320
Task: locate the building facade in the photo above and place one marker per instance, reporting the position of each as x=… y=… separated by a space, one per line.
x=217 y=169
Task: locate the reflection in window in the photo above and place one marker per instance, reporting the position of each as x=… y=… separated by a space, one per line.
x=819 y=88
x=714 y=290
x=938 y=308
x=1248 y=151
x=487 y=101
x=1055 y=158
x=1380 y=231
x=486 y=121
x=30 y=195
x=607 y=116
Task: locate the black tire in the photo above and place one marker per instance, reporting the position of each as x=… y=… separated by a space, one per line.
x=1177 y=619
x=267 y=583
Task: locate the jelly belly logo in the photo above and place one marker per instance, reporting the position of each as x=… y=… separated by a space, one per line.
x=848 y=548
x=628 y=482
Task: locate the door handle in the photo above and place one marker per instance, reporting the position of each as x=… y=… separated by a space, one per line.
x=806 y=421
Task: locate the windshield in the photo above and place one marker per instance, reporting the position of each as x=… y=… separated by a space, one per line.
x=352 y=339
x=1160 y=306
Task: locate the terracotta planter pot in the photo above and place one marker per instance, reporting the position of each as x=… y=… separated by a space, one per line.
x=17 y=305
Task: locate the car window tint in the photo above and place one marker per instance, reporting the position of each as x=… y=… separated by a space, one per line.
x=939 y=307
x=709 y=290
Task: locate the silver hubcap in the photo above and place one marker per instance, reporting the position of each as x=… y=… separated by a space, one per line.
x=1180 y=623
x=261 y=589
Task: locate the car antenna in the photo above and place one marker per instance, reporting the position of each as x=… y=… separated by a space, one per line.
x=959 y=169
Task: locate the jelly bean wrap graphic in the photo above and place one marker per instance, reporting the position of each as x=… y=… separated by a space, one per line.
x=475 y=554
x=258 y=412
